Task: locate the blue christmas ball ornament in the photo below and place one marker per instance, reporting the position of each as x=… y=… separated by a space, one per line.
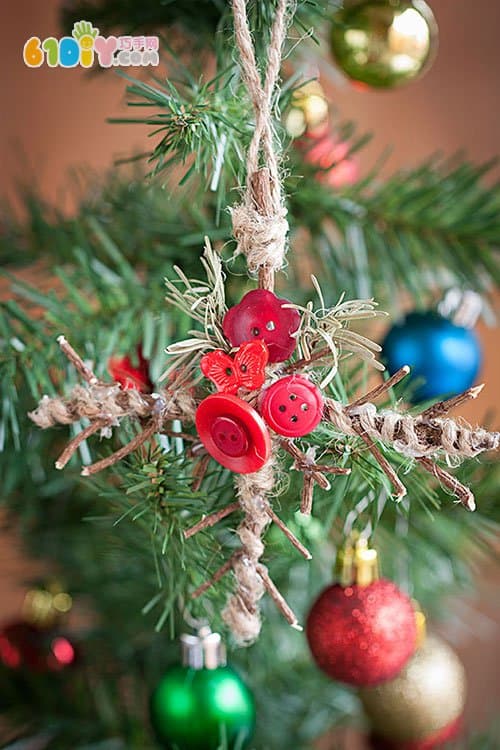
x=444 y=358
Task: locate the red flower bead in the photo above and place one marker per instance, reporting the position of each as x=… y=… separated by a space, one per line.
x=130 y=376
x=261 y=315
x=292 y=406
x=246 y=370
x=233 y=433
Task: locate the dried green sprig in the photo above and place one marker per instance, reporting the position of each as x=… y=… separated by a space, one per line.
x=325 y=332
x=204 y=302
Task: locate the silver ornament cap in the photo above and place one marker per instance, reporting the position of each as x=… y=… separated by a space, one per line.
x=205 y=650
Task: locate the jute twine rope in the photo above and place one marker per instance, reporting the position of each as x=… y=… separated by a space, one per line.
x=259 y=222
x=94 y=402
x=241 y=613
x=260 y=228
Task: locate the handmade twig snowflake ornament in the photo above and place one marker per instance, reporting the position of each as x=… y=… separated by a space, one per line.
x=265 y=364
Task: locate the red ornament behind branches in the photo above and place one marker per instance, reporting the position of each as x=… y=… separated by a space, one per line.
x=123 y=371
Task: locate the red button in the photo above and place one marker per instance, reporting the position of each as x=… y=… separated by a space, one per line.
x=230 y=436
x=233 y=433
x=262 y=315
x=292 y=406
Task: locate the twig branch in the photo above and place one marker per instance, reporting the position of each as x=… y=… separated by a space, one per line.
x=289 y=534
x=200 y=471
x=122 y=452
x=463 y=493
x=307 y=495
x=442 y=407
x=382 y=388
x=313 y=474
x=174 y=434
x=216 y=576
x=210 y=520
x=77 y=361
x=304 y=362
x=277 y=597
x=73 y=445
x=383 y=463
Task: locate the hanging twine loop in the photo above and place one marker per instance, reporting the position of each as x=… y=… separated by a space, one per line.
x=259 y=222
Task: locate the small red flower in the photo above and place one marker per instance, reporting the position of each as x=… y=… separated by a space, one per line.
x=123 y=371
x=245 y=370
x=262 y=315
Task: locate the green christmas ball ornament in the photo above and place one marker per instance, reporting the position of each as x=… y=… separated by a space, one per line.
x=202 y=704
x=382 y=44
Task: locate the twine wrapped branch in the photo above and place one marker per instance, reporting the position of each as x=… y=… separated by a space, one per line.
x=421 y=437
x=105 y=405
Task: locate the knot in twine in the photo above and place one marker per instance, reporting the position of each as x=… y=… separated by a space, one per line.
x=261 y=239
x=241 y=613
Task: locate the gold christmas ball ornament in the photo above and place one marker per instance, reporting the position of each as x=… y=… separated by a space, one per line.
x=384 y=43
x=426 y=696
x=309 y=109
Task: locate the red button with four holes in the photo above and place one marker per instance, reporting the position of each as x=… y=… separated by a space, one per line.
x=292 y=406
x=233 y=433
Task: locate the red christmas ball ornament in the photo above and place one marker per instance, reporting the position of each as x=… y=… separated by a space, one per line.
x=35 y=642
x=362 y=633
x=131 y=376
x=262 y=315
x=27 y=646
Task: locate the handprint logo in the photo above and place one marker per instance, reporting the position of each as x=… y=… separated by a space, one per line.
x=85 y=35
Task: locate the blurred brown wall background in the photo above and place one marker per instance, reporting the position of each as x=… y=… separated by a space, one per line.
x=52 y=119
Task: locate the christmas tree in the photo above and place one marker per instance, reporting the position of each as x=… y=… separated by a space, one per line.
x=198 y=432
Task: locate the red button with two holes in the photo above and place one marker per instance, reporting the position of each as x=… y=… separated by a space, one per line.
x=233 y=433
x=292 y=406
